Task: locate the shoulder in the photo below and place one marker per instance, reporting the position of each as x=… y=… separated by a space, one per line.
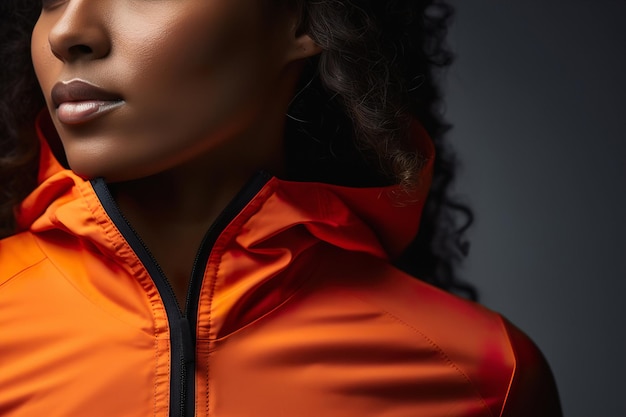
x=441 y=316
x=502 y=364
x=533 y=388
x=18 y=253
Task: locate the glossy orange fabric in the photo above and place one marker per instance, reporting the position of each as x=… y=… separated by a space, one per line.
x=300 y=314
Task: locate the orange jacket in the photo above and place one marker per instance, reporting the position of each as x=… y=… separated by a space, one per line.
x=294 y=311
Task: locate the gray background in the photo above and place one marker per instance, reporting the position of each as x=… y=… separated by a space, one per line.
x=537 y=97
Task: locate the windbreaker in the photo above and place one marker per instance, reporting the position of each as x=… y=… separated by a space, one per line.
x=294 y=310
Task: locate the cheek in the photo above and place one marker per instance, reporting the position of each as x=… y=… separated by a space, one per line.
x=203 y=74
x=46 y=65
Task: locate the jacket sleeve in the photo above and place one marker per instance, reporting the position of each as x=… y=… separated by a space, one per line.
x=533 y=391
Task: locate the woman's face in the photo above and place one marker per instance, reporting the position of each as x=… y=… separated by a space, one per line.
x=136 y=87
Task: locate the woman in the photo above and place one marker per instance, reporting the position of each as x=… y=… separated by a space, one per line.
x=159 y=266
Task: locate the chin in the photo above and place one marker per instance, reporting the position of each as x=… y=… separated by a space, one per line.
x=89 y=171
x=84 y=171
x=110 y=171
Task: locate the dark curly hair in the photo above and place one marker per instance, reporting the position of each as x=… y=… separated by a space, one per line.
x=348 y=123
x=20 y=100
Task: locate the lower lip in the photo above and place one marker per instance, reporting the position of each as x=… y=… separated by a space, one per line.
x=73 y=113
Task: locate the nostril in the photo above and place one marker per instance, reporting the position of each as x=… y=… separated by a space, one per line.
x=80 y=50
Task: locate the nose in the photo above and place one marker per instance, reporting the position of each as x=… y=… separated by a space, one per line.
x=80 y=32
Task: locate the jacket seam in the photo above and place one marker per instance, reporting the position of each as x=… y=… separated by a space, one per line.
x=215 y=254
x=155 y=392
x=434 y=345
x=218 y=265
x=23 y=271
x=514 y=370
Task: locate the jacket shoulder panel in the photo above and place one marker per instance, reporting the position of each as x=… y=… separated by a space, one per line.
x=468 y=337
x=17 y=254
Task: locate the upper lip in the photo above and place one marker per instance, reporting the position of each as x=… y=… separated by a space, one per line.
x=78 y=90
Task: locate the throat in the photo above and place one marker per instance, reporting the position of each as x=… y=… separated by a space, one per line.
x=175 y=251
x=180 y=285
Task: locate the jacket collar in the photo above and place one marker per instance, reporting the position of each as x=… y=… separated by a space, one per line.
x=374 y=219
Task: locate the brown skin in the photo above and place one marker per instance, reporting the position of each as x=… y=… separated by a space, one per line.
x=205 y=87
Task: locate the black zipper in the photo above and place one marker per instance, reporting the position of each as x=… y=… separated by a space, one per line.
x=182 y=323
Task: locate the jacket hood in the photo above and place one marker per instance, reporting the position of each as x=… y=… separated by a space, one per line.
x=377 y=220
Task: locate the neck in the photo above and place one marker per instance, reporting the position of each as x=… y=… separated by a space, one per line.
x=172 y=210
x=190 y=195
